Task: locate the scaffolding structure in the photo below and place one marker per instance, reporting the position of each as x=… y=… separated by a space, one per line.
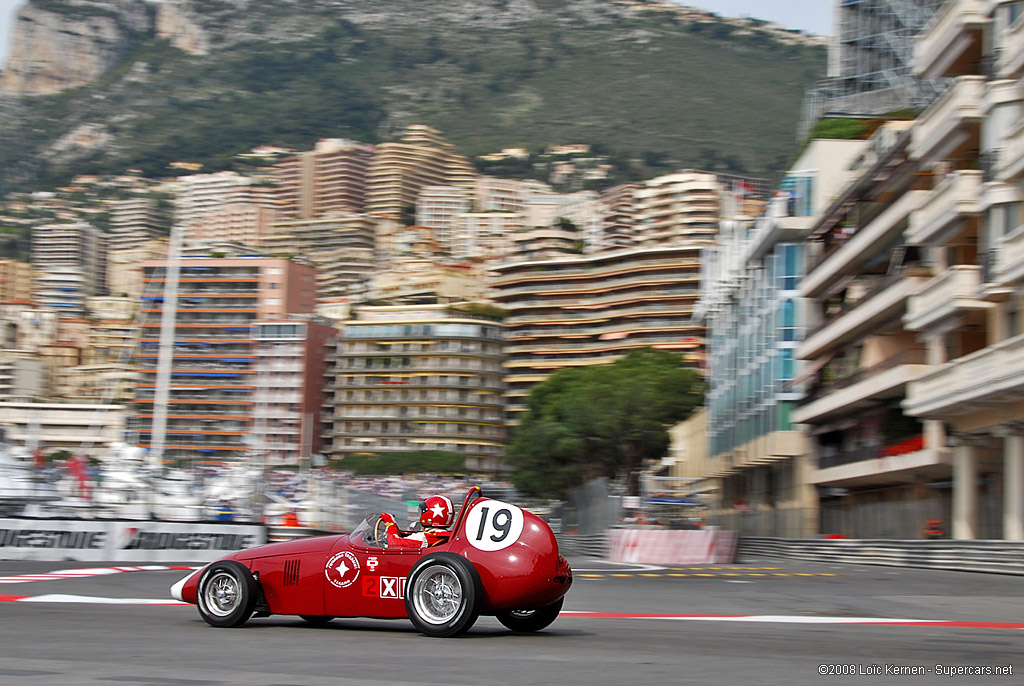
x=870 y=62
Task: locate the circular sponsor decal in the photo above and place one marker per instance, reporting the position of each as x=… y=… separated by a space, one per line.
x=493 y=525
x=343 y=569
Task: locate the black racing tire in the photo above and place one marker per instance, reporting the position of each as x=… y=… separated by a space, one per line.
x=227 y=594
x=531 y=620
x=316 y=620
x=443 y=595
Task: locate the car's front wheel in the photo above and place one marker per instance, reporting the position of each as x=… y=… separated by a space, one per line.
x=531 y=620
x=443 y=594
x=227 y=594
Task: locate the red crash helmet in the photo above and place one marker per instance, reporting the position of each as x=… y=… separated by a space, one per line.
x=437 y=511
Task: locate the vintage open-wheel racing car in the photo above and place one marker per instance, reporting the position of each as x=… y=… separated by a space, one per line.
x=500 y=560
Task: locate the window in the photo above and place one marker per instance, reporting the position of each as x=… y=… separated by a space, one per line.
x=787 y=321
x=1000 y=220
x=788 y=267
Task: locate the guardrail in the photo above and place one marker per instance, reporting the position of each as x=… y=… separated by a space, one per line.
x=594 y=545
x=987 y=556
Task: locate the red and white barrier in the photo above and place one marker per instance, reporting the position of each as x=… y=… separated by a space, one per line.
x=665 y=547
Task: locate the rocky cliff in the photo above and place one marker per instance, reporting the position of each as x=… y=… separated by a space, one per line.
x=61 y=44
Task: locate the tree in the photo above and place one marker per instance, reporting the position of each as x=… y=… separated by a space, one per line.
x=604 y=420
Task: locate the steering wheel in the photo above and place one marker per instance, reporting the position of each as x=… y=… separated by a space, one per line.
x=379 y=535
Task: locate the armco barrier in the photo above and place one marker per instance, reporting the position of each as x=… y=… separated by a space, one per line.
x=993 y=557
x=593 y=545
x=670 y=547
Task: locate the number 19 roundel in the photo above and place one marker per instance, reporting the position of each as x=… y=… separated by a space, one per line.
x=494 y=525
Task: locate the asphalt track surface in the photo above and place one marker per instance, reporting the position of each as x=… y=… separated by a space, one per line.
x=758 y=622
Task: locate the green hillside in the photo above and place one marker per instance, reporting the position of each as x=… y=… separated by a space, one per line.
x=653 y=92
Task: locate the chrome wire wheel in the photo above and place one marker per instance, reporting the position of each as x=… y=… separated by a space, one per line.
x=437 y=594
x=221 y=594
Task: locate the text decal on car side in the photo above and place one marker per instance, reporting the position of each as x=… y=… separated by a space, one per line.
x=343 y=569
x=494 y=525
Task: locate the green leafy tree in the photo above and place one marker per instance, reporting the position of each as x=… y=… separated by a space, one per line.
x=601 y=421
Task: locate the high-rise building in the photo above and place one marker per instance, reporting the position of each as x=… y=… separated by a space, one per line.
x=69 y=262
x=330 y=179
x=291 y=373
x=750 y=303
x=224 y=206
x=400 y=169
x=420 y=377
x=582 y=310
x=340 y=247
x=966 y=310
x=617 y=218
x=439 y=207
x=676 y=207
x=214 y=375
x=134 y=222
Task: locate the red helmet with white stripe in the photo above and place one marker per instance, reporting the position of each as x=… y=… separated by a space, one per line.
x=437 y=511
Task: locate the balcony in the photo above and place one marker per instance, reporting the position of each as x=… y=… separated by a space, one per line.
x=882 y=469
x=952 y=38
x=956 y=198
x=865 y=392
x=863 y=318
x=866 y=243
x=981 y=382
x=952 y=293
x=943 y=126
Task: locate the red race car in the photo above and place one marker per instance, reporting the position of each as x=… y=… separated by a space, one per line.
x=499 y=560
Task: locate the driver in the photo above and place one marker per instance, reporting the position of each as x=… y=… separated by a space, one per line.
x=436 y=515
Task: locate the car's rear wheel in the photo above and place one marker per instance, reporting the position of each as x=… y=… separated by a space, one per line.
x=442 y=596
x=227 y=594
x=316 y=620
x=531 y=620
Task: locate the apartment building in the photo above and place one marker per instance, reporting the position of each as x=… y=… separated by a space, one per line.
x=134 y=222
x=423 y=280
x=69 y=265
x=400 y=169
x=758 y=460
x=545 y=243
x=676 y=207
x=213 y=372
x=580 y=310
x=27 y=326
x=968 y=228
x=22 y=377
x=339 y=246
x=617 y=219
x=860 y=276
x=329 y=179
x=224 y=206
x=419 y=377
x=124 y=271
x=438 y=208
x=485 y=235
x=291 y=374
x=75 y=427
x=15 y=280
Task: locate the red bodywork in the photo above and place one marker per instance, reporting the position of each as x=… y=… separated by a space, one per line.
x=347 y=576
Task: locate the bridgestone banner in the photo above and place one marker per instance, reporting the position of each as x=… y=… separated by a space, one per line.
x=124 y=541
